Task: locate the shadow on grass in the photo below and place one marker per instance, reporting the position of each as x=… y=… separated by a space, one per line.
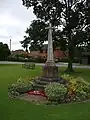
x=77 y=71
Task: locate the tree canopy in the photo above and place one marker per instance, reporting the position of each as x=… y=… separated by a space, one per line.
x=71 y=15
x=4 y=51
x=36 y=35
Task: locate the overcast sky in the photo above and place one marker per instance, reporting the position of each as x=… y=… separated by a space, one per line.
x=14 y=19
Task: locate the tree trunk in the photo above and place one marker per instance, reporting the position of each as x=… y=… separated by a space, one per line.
x=70 y=53
x=70 y=41
x=70 y=59
x=26 y=49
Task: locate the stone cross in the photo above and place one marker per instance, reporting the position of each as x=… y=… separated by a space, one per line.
x=50 y=58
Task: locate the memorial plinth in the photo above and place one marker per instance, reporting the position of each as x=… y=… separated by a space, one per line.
x=50 y=70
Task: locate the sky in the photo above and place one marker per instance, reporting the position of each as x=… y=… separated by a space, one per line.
x=14 y=19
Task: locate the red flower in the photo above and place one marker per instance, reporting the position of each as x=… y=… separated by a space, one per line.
x=36 y=92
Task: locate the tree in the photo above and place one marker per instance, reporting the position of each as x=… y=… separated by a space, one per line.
x=25 y=43
x=36 y=35
x=4 y=51
x=70 y=14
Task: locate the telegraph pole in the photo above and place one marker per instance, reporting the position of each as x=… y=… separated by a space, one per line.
x=10 y=44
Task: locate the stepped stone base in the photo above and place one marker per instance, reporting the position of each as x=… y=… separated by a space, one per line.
x=49 y=75
x=50 y=71
x=41 y=82
x=50 y=63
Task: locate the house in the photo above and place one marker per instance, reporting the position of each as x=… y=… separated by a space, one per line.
x=85 y=58
x=20 y=51
x=34 y=54
x=57 y=53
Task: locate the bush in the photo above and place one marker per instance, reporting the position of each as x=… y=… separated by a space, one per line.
x=12 y=90
x=55 y=92
x=20 y=87
x=28 y=65
x=21 y=58
x=36 y=59
x=16 y=59
x=76 y=60
x=78 y=89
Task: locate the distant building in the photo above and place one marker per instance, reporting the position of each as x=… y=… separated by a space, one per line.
x=34 y=53
x=57 y=53
x=20 y=51
x=85 y=58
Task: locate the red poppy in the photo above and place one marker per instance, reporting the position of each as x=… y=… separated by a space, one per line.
x=36 y=92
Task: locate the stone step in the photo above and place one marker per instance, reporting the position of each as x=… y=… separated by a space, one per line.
x=41 y=82
x=39 y=87
x=45 y=81
x=48 y=79
x=51 y=79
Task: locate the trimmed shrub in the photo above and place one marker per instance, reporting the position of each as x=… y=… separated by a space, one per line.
x=21 y=58
x=28 y=65
x=22 y=86
x=12 y=90
x=55 y=92
x=78 y=89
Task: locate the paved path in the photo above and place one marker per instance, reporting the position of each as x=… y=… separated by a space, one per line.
x=65 y=65
x=7 y=62
x=41 y=64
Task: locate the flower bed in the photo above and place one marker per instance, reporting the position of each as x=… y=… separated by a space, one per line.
x=36 y=92
x=76 y=90
x=20 y=87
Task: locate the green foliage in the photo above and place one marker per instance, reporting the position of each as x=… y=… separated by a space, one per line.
x=36 y=35
x=68 y=78
x=29 y=65
x=36 y=59
x=12 y=90
x=46 y=10
x=74 y=80
x=71 y=15
x=16 y=59
x=25 y=43
x=4 y=51
x=55 y=92
x=21 y=58
x=78 y=88
x=21 y=110
x=22 y=86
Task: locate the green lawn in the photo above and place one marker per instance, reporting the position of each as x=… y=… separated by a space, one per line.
x=22 y=110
